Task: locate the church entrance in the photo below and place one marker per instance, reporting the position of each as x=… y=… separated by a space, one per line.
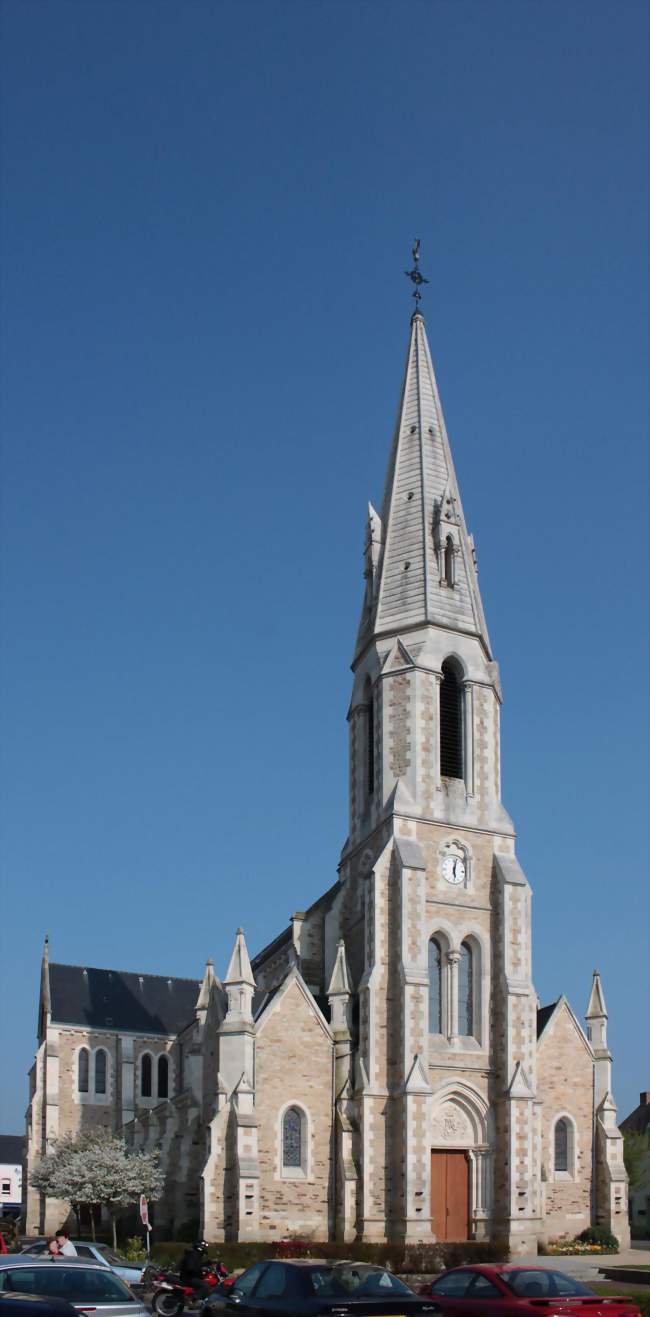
x=449 y=1195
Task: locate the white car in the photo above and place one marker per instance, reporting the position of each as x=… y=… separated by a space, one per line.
x=88 y=1286
x=131 y=1272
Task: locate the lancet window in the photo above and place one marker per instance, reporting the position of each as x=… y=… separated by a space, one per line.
x=100 y=1070
x=292 y=1139
x=466 y=991
x=435 y=986
x=83 y=1070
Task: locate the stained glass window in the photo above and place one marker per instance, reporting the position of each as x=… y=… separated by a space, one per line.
x=292 y=1138
x=100 y=1071
x=145 y=1076
x=561 y=1145
x=163 y=1077
x=82 y=1070
x=435 y=986
x=465 y=991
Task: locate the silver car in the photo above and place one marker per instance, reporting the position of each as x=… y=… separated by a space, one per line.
x=131 y=1272
x=88 y=1286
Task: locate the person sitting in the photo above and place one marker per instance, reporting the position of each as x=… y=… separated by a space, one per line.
x=192 y=1267
x=66 y=1247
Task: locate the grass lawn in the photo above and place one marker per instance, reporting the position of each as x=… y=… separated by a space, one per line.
x=640 y=1295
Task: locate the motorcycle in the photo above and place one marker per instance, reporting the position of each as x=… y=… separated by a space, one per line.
x=171 y=1295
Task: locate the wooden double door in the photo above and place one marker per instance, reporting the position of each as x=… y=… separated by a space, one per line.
x=449 y=1194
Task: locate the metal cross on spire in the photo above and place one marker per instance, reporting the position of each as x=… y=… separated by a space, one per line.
x=415 y=276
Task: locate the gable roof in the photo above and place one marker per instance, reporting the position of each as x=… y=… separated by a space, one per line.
x=118 y=999
x=552 y=1013
x=274 y=999
x=12 y=1149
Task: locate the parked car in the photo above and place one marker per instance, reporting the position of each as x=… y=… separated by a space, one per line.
x=520 y=1290
x=88 y=1286
x=306 y=1287
x=131 y=1272
x=31 y=1305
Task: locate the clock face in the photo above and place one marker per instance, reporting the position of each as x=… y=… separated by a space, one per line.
x=453 y=870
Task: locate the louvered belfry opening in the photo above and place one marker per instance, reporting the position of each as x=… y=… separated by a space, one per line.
x=451 y=723
x=370 y=739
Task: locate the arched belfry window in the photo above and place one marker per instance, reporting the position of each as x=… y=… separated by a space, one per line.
x=145 y=1076
x=449 y=561
x=435 y=986
x=100 y=1070
x=561 y=1145
x=292 y=1139
x=83 y=1070
x=466 y=991
x=370 y=738
x=163 y=1077
x=451 y=722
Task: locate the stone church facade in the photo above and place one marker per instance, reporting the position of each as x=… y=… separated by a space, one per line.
x=382 y=1068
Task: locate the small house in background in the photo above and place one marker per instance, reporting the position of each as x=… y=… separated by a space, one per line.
x=638 y=1122
x=12 y=1154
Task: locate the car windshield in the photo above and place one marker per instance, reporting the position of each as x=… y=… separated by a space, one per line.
x=538 y=1283
x=77 y=1284
x=350 y=1278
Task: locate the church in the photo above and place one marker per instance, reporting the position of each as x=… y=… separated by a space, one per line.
x=382 y=1069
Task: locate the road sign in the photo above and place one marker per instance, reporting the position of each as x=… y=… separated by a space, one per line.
x=144 y=1210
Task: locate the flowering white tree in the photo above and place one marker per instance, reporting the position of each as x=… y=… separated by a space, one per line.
x=99 y=1168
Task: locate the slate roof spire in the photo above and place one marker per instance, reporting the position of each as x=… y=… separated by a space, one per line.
x=424 y=568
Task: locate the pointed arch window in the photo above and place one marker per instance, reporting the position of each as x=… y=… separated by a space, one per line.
x=435 y=986
x=292 y=1139
x=145 y=1076
x=451 y=722
x=466 y=991
x=163 y=1077
x=561 y=1145
x=370 y=738
x=101 y=1060
x=449 y=564
x=83 y=1070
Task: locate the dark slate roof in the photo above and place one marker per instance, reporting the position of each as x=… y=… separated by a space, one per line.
x=261 y=999
x=544 y=1014
x=638 y=1121
x=12 y=1149
x=116 y=999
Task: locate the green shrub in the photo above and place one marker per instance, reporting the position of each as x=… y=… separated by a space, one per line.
x=425 y=1259
x=599 y=1235
x=133 y=1249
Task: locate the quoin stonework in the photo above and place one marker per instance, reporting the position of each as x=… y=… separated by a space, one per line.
x=382 y=1068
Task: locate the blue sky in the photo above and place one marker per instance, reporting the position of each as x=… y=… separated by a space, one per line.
x=208 y=208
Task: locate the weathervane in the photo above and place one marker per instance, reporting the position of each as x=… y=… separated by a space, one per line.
x=415 y=276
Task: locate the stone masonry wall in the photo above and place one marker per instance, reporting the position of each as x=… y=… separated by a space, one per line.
x=294 y=1066
x=565 y=1078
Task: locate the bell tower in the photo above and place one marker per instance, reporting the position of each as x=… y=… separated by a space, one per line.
x=445 y=1081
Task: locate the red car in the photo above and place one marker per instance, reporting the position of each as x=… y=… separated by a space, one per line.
x=508 y=1290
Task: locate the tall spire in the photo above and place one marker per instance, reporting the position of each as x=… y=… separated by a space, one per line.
x=426 y=570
